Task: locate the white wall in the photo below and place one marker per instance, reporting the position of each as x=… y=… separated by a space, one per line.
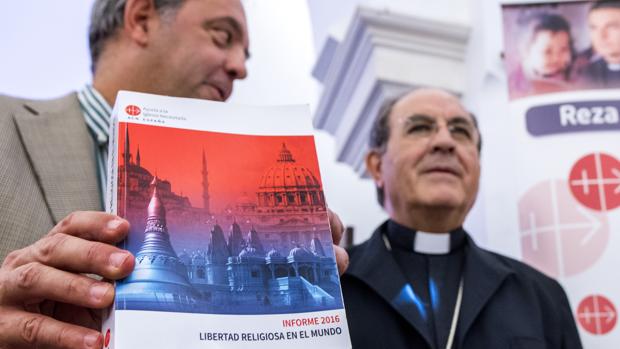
x=44 y=47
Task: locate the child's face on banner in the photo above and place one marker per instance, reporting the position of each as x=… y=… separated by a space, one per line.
x=604 y=26
x=549 y=53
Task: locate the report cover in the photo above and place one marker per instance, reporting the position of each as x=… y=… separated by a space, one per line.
x=228 y=226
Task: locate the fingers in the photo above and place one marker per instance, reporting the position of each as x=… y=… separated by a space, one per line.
x=336 y=226
x=94 y=226
x=342 y=259
x=74 y=254
x=19 y=329
x=48 y=271
x=33 y=282
x=79 y=243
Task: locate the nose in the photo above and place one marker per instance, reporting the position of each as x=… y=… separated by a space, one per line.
x=601 y=35
x=442 y=141
x=557 y=60
x=235 y=64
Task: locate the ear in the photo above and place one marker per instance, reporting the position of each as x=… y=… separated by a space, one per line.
x=137 y=17
x=373 y=165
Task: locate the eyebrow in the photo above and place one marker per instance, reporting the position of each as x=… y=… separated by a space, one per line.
x=234 y=24
x=457 y=119
x=419 y=117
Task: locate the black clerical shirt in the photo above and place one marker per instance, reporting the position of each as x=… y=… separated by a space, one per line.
x=505 y=303
x=434 y=278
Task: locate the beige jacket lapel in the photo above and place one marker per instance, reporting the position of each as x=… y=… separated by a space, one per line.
x=62 y=154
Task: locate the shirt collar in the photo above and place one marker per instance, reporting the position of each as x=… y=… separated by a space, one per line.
x=96 y=113
x=613 y=66
x=422 y=242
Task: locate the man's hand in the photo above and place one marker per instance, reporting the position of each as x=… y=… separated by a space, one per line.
x=45 y=302
x=342 y=257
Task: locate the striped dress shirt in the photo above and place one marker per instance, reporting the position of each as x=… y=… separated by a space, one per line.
x=97 y=117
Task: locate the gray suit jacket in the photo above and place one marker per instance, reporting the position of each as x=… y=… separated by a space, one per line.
x=47 y=167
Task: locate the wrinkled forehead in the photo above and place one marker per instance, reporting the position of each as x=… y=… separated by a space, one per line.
x=228 y=12
x=432 y=103
x=232 y=9
x=241 y=13
x=243 y=22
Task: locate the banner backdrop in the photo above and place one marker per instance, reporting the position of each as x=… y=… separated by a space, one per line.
x=563 y=65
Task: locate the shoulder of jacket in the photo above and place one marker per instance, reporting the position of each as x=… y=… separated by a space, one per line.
x=526 y=272
x=12 y=103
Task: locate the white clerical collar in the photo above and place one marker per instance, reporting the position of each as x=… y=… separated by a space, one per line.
x=613 y=66
x=431 y=243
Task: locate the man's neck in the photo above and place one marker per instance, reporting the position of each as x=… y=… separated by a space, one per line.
x=120 y=68
x=107 y=93
x=423 y=242
x=430 y=220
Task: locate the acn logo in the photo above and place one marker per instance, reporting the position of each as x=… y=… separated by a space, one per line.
x=132 y=110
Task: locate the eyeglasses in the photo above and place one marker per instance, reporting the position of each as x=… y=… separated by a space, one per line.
x=460 y=128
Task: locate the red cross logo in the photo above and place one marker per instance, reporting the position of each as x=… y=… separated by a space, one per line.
x=597 y=315
x=132 y=110
x=558 y=235
x=595 y=181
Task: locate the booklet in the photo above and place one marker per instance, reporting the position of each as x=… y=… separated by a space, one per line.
x=228 y=226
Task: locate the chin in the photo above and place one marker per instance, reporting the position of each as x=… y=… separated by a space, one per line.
x=210 y=97
x=614 y=60
x=446 y=203
x=210 y=93
x=445 y=199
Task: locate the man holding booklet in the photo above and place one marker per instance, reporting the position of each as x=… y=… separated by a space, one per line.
x=53 y=163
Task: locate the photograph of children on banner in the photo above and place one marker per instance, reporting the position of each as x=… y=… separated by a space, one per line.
x=561 y=47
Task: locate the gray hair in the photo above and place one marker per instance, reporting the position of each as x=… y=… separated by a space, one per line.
x=107 y=17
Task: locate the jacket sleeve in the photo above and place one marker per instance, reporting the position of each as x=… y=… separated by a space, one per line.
x=570 y=334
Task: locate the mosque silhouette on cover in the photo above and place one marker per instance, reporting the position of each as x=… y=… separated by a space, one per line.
x=235 y=273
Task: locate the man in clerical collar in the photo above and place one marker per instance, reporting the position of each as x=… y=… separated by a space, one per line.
x=420 y=281
x=603 y=59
